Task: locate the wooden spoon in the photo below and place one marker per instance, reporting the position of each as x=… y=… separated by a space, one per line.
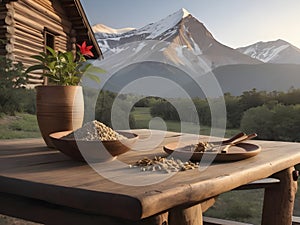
x=238 y=140
x=239 y=135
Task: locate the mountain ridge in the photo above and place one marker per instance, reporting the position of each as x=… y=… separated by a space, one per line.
x=181 y=49
x=278 y=51
x=182 y=30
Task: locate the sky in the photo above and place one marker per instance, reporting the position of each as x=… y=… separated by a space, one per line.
x=235 y=23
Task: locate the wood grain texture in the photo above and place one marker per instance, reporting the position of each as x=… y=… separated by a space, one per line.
x=279 y=200
x=49 y=214
x=186 y=216
x=30 y=170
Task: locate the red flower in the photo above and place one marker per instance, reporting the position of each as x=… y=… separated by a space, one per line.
x=85 y=50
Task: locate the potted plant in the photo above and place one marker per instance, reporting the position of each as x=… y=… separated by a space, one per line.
x=60 y=104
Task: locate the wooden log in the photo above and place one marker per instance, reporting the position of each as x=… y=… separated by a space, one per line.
x=49 y=11
x=8 y=38
x=279 y=200
x=49 y=214
x=4 y=29
x=207 y=204
x=29 y=49
x=9 y=48
x=11 y=40
x=36 y=76
x=29 y=43
x=31 y=23
x=10 y=30
x=9 y=21
x=21 y=28
x=27 y=15
x=10 y=6
x=35 y=81
x=7 y=16
x=5 y=7
x=186 y=216
x=11 y=56
x=27 y=36
x=25 y=53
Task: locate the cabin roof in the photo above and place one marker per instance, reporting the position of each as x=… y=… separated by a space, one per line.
x=81 y=24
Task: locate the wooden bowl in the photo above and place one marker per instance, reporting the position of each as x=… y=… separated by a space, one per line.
x=92 y=151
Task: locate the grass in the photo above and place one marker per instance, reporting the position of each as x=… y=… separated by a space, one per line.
x=142 y=117
x=242 y=206
x=20 y=126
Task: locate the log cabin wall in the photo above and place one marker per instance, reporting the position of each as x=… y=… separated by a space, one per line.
x=6 y=29
x=32 y=18
x=24 y=23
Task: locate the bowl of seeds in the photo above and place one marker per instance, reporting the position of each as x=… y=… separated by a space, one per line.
x=93 y=142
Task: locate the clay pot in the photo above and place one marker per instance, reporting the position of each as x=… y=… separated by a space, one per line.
x=59 y=108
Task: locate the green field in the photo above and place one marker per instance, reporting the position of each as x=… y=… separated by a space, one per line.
x=142 y=117
x=19 y=126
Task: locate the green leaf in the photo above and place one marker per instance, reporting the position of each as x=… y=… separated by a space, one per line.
x=36 y=67
x=38 y=57
x=53 y=78
x=69 y=57
x=51 y=50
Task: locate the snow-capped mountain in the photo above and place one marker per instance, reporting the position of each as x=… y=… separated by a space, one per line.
x=184 y=39
x=278 y=51
x=101 y=28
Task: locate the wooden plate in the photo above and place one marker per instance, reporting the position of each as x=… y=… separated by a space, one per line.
x=238 y=152
x=97 y=151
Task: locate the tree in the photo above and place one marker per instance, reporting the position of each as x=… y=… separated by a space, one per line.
x=104 y=109
x=234 y=112
x=12 y=79
x=250 y=99
x=273 y=122
x=258 y=120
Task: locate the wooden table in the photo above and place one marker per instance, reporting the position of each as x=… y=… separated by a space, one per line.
x=43 y=185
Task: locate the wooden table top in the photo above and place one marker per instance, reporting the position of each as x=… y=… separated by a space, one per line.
x=29 y=169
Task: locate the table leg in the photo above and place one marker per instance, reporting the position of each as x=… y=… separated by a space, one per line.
x=279 y=200
x=186 y=216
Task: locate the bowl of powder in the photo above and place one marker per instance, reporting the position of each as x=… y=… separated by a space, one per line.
x=93 y=142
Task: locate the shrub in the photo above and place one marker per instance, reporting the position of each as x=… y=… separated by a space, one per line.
x=12 y=81
x=258 y=120
x=104 y=107
x=275 y=122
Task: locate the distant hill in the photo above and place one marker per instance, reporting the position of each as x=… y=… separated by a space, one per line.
x=264 y=77
x=232 y=78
